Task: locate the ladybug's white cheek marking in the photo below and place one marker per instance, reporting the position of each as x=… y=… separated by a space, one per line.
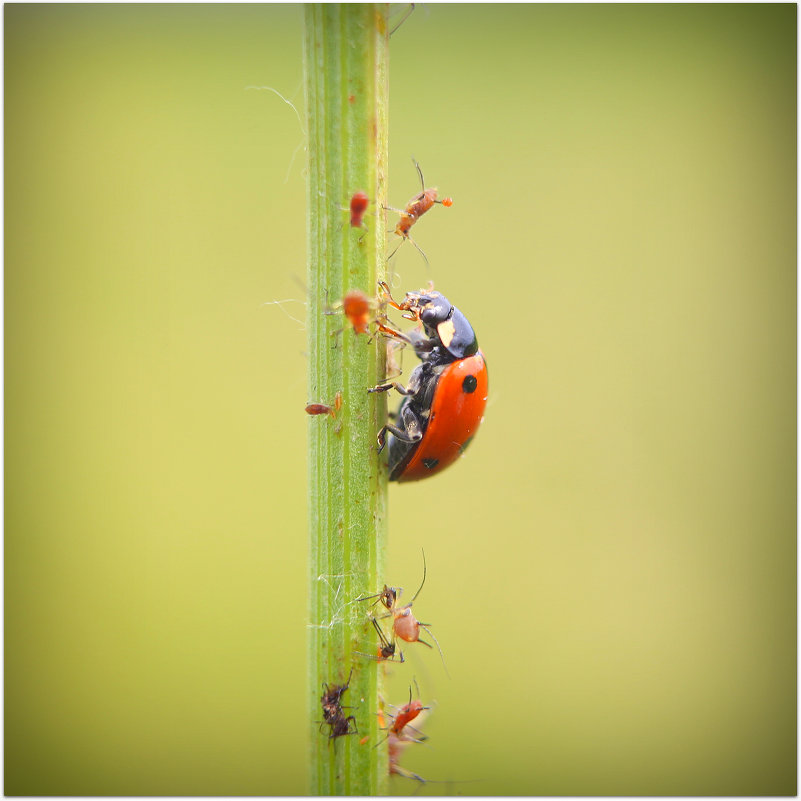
x=446 y=331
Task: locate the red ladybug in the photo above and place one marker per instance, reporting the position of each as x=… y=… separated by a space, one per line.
x=446 y=394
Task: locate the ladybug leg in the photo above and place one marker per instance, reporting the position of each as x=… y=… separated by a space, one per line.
x=398 y=387
x=411 y=431
x=413 y=387
x=402 y=435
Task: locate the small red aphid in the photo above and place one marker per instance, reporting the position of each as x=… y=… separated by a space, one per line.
x=415 y=209
x=358 y=206
x=398 y=739
x=406 y=714
x=322 y=408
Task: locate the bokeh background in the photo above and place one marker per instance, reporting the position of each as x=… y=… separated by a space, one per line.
x=611 y=569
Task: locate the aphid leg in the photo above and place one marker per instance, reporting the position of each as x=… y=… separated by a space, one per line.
x=424 y=626
x=406 y=774
x=422 y=253
x=403 y=239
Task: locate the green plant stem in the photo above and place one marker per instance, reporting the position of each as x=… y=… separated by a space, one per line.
x=345 y=65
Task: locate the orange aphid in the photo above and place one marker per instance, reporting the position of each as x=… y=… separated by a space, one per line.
x=406 y=714
x=356 y=307
x=415 y=209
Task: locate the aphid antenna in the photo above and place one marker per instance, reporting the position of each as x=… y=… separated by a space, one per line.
x=406 y=15
x=444 y=201
x=431 y=634
x=420 y=173
x=389 y=231
x=420 y=250
x=423 y=581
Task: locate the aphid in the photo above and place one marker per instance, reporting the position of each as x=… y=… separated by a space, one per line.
x=406 y=714
x=322 y=408
x=402 y=721
x=414 y=210
x=331 y=698
x=357 y=308
x=446 y=395
x=358 y=206
x=386 y=649
x=405 y=625
x=333 y=713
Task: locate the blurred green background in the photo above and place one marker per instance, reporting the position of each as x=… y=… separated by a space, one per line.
x=611 y=569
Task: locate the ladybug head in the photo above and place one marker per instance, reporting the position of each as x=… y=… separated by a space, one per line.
x=446 y=323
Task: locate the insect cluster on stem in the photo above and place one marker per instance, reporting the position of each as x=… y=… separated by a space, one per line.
x=442 y=405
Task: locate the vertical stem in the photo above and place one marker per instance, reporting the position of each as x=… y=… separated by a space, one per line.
x=345 y=65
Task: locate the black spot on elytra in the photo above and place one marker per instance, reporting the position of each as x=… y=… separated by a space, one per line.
x=463 y=448
x=430 y=463
x=470 y=383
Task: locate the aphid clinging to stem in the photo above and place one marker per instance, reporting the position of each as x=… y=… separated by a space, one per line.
x=414 y=210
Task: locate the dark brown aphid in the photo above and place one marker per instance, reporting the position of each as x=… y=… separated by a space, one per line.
x=386 y=648
x=333 y=713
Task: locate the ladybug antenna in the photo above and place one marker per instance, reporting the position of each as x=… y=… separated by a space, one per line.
x=424 y=578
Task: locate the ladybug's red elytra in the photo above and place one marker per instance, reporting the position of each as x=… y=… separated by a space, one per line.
x=446 y=395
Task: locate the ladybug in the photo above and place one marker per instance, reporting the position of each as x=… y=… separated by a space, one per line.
x=446 y=395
